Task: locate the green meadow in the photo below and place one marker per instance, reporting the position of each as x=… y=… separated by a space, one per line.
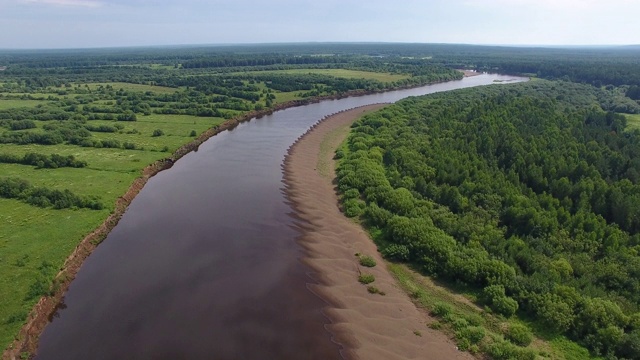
x=340 y=73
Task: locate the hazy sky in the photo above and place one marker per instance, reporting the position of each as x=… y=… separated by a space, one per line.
x=106 y=23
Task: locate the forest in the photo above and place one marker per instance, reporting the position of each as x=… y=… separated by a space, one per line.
x=527 y=193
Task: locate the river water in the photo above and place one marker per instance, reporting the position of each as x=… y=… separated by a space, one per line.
x=204 y=264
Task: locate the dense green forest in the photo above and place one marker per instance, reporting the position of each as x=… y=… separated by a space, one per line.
x=528 y=193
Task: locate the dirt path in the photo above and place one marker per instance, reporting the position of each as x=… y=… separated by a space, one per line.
x=369 y=326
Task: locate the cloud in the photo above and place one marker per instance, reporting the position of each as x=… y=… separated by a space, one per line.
x=74 y=3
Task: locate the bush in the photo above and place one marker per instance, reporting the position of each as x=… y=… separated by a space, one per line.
x=504 y=350
x=368 y=261
x=351 y=194
x=157 y=132
x=441 y=309
x=494 y=296
x=396 y=252
x=459 y=324
x=374 y=290
x=519 y=335
x=193 y=133
x=475 y=319
x=353 y=207
x=474 y=334
x=366 y=279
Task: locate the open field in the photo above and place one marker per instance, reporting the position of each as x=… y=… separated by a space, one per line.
x=633 y=121
x=133 y=87
x=341 y=73
x=8 y=104
x=33 y=245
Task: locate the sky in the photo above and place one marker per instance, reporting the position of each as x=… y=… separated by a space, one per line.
x=115 y=23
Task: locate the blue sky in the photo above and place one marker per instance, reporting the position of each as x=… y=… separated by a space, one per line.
x=107 y=23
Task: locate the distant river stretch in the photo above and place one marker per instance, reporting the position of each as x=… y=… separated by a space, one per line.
x=204 y=264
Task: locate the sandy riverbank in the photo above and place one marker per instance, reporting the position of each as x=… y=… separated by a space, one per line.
x=469 y=73
x=370 y=326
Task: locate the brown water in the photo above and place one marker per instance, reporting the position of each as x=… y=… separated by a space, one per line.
x=204 y=264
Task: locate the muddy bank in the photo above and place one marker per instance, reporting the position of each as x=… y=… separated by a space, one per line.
x=370 y=326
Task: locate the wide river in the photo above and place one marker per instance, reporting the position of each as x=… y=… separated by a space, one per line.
x=204 y=264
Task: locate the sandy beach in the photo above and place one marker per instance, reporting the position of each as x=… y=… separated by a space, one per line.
x=369 y=326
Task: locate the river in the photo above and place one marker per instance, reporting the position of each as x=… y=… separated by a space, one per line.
x=204 y=264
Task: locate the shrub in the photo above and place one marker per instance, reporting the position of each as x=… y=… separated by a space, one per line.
x=474 y=334
x=368 y=261
x=157 y=132
x=459 y=324
x=494 y=296
x=474 y=319
x=351 y=194
x=374 y=290
x=193 y=133
x=353 y=207
x=441 y=309
x=519 y=335
x=504 y=350
x=463 y=344
x=366 y=279
x=396 y=252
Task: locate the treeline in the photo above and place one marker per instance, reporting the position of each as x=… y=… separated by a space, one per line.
x=242 y=60
x=528 y=193
x=15 y=188
x=42 y=161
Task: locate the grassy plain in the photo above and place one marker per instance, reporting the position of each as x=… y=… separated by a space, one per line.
x=633 y=121
x=33 y=245
x=8 y=104
x=133 y=87
x=341 y=73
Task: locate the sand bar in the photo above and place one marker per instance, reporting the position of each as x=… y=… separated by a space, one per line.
x=369 y=326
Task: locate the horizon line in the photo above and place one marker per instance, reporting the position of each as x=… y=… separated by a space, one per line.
x=574 y=46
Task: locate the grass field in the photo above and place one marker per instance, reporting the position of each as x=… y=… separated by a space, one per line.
x=633 y=121
x=33 y=245
x=342 y=73
x=8 y=104
x=134 y=87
